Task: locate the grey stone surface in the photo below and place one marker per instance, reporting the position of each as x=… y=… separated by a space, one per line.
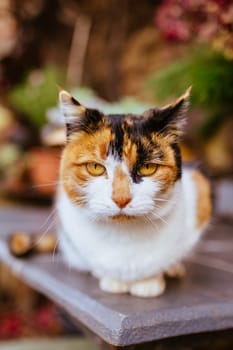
x=224 y=197
x=201 y=302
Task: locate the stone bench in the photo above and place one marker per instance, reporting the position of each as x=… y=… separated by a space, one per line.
x=195 y=310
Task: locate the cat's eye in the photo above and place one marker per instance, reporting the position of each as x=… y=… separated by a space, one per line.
x=95 y=169
x=147 y=169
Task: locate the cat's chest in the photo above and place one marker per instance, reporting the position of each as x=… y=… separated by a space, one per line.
x=133 y=246
x=131 y=251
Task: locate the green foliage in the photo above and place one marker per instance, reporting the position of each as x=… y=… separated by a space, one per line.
x=36 y=94
x=9 y=153
x=209 y=73
x=209 y=125
x=211 y=77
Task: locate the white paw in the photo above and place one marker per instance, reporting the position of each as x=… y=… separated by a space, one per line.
x=113 y=286
x=176 y=271
x=150 y=287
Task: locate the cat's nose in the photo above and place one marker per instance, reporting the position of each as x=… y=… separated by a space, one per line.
x=121 y=200
x=121 y=188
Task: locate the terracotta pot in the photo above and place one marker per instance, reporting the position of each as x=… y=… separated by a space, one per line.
x=43 y=169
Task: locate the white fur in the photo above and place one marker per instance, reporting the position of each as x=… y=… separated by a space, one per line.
x=131 y=250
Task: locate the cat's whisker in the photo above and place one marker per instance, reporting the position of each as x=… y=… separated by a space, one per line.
x=148 y=219
x=156 y=215
x=43 y=185
x=53 y=212
x=158 y=206
x=51 y=183
x=44 y=233
x=162 y=200
x=54 y=249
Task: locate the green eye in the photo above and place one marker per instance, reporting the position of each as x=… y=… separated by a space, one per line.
x=95 y=169
x=147 y=169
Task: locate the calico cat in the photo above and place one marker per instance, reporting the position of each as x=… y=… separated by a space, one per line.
x=128 y=211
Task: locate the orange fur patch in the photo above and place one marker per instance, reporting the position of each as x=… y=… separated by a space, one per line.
x=82 y=148
x=204 y=206
x=129 y=152
x=167 y=170
x=120 y=188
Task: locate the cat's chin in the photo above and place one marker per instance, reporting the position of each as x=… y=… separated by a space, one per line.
x=122 y=217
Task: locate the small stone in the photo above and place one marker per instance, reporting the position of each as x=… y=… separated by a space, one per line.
x=46 y=243
x=20 y=243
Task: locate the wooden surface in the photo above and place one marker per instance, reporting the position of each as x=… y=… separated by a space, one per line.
x=201 y=302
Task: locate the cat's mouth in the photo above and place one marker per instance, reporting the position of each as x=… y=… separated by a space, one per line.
x=122 y=217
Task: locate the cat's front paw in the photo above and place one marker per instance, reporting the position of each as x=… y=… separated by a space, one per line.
x=176 y=271
x=150 y=287
x=113 y=286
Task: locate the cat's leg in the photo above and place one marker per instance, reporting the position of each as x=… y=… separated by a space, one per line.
x=176 y=270
x=70 y=252
x=150 y=287
x=114 y=286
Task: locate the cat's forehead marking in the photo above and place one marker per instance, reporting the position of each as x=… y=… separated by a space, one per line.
x=125 y=129
x=129 y=152
x=89 y=145
x=134 y=143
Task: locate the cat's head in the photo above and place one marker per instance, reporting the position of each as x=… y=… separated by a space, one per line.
x=120 y=166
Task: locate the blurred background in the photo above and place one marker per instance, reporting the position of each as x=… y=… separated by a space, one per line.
x=116 y=56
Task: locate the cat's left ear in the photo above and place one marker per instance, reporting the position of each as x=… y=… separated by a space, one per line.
x=171 y=119
x=72 y=110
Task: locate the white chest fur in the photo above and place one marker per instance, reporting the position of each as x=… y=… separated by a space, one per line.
x=134 y=249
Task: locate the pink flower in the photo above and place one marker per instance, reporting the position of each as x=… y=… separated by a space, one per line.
x=170 y=20
x=10 y=327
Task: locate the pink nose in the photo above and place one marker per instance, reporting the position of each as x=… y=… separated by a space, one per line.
x=121 y=188
x=121 y=201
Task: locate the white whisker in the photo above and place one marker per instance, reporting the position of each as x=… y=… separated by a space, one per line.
x=158 y=206
x=53 y=183
x=162 y=200
x=156 y=215
x=148 y=218
x=54 y=249
x=48 y=218
x=43 y=234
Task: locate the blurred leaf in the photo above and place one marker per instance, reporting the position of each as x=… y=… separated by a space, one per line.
x=9 y=153
x=208 y=128
x=36 y=94
x=209 y=73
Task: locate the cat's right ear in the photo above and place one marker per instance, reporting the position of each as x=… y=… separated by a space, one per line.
x=72 y=110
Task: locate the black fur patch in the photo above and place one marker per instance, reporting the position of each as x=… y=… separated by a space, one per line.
x=116 y=145
x=140 y=127
x=90 y=123
x=143 y=155
x=134 y=131
x=178 y=160
x=75 y=102
x=162 y=120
